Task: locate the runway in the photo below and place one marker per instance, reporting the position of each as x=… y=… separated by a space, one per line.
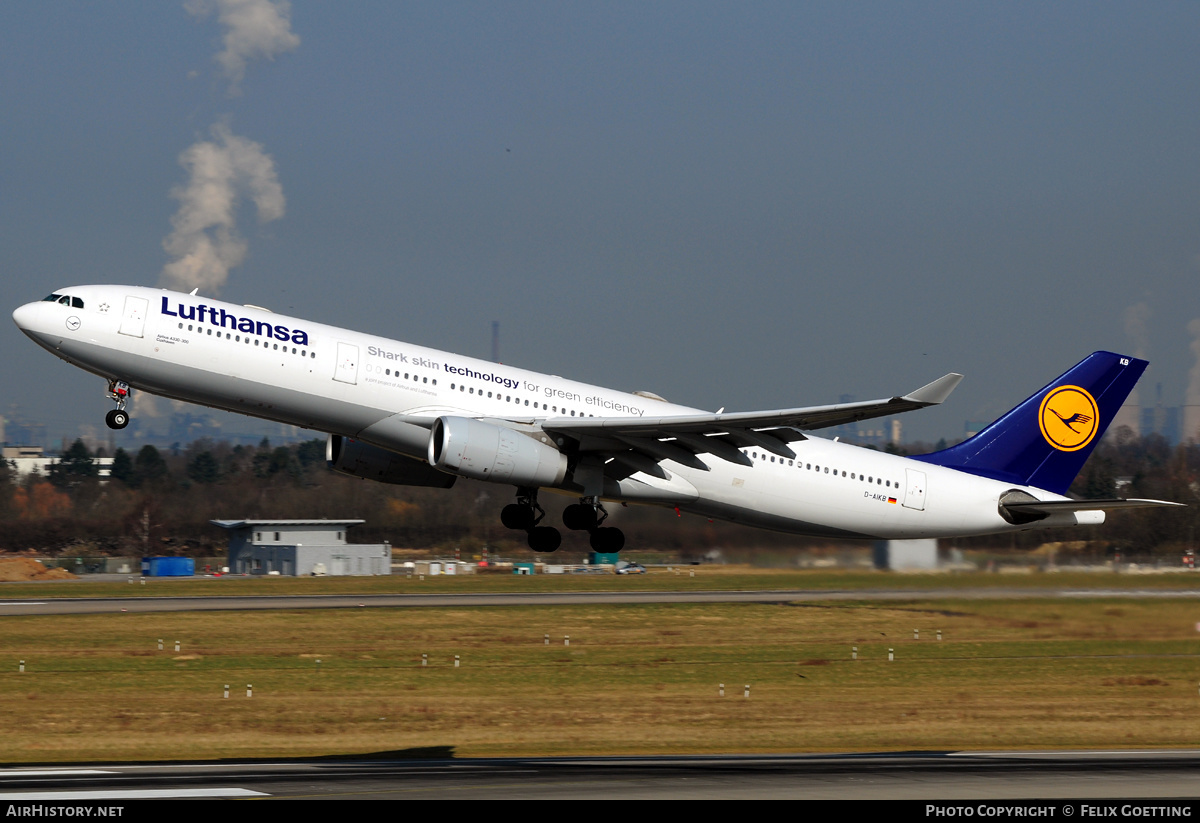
x=1078 y=777
x=108 y=605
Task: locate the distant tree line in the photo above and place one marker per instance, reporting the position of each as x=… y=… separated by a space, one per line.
x=161 y=502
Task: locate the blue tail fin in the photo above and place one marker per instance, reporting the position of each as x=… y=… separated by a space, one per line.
x=1045 y=441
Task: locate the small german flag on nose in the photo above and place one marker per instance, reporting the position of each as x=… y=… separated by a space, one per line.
x=891 y=500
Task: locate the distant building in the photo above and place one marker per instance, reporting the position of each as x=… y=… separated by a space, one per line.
x=1159 y=419
x=302 y=547
x=1130 y=416
x=876 y=433
x=973 y=427
x=906 y=555
x=29 y=459
x=1162 y=420
x=20 y=430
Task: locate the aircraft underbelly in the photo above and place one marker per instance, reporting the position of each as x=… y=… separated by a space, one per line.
x=799 y=501
x=171 y=378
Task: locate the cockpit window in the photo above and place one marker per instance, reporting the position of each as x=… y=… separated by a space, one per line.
x=64 y=299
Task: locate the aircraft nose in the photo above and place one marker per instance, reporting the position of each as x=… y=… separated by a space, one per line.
x=26 y=316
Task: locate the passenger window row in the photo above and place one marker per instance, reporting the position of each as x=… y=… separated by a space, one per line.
x=240 y=338
x=508 y=398
x=416 y=378
x=492 y=395
x=878 y=481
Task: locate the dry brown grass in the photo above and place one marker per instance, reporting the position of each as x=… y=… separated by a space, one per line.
x=635 y=679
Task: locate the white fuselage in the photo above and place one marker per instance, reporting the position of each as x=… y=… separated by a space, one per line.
x=253 y=361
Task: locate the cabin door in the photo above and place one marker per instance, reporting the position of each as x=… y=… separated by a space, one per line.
x=133 y=321
x=347 y=363
x=914 y=492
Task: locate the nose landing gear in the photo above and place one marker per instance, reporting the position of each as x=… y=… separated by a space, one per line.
x=118 y=391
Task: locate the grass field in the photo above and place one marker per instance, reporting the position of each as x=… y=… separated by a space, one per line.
x=685 y=578
x=1035 y=673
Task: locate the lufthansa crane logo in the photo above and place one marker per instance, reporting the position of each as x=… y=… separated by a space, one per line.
x=1068 y=418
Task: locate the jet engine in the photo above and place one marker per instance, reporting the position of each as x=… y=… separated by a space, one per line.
x=358 y=459
x=479 y=450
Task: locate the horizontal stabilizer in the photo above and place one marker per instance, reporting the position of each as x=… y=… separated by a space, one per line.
x=1060 y=506
x=1021 y=508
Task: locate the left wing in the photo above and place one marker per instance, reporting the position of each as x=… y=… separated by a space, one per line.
x=639 y=442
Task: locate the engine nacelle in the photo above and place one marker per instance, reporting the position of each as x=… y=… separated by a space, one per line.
x=483 y=451
x=358 y=459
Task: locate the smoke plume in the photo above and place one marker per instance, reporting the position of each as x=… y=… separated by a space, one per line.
x=253 y=28
x=1193 y=386
x=1137 y=319
x=205 y=242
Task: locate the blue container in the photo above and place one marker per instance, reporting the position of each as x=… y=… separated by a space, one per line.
x=168 y=567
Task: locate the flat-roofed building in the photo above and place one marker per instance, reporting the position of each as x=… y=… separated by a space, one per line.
x=906 y=555
x=302 y=547
x=29 y=459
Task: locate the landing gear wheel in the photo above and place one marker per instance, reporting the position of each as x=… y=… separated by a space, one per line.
x=580 y=517
x=544 y=539
x=117 y=419
x=607 y=540
x=518 y=517
x=118 y=392
x=525 y=514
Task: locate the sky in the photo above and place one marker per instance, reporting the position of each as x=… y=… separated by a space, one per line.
x=751 y=206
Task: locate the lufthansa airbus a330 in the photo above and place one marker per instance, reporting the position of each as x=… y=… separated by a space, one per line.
x=400 y=413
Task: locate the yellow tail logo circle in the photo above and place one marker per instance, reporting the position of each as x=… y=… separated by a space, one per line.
x=1069 y=418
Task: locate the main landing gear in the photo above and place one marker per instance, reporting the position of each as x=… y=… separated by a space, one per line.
x=525 y=515
x=589 y=515
x=118 y=391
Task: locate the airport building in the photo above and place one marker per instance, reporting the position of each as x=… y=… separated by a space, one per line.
x=906 y=555
x=27 y=460
x=302 y=547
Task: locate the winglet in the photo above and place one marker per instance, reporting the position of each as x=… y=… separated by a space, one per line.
x=936 y=392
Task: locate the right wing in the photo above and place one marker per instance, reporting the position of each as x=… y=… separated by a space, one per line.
x=640 y=442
